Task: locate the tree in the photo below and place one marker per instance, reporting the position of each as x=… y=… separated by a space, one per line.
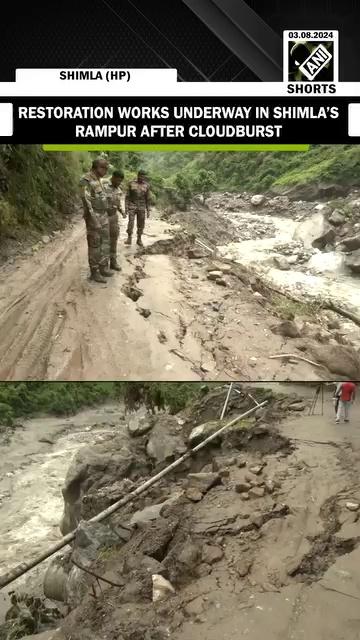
x=204 y=183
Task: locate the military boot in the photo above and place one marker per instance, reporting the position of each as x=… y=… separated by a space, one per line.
x=128 y=240
x=114 y=264
x=96 y=276
x=104 y=270
x=139 y=242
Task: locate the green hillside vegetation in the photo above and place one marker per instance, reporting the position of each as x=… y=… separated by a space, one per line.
x=25 y=399
x=175 y=176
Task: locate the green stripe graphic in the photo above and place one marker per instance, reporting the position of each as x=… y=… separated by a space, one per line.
x=175 y=147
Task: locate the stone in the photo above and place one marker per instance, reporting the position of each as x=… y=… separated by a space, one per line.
x=193 y=494
x=221 y=282
x=327 y=237
x=288 y=329
x=241 y=463
x=190 y=554
x=256 y=469
x=353 y=261
x=211 y=554
x=245 y=496
x=195 y=254
x=258 y=200
x=166 y=442
x=202 y=570
x=45 y=239
x=256 y=492
x=195 y=607
x=202 y=431
x=323 y=208
x=95 y=534
x=269 y=486
x=297 y=406
x=257 y=519
x=337 y=218
x=162 y=588
x=282 y=263
x=203 y=481
x=339 y=359
x=214 y=275
x=350 y=244
x=242 y=567
x=253 y=361
x=137 y=425
x=352 y=506
x=242 y=487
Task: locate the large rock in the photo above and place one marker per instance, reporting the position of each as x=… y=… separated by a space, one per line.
x=282 y=263
x=288 y=329
x=95 y=467
x=350 y=244
x=138 y=425
x=258 y=200
x=337 y=218
x=203 y=431
x=339 y=359
x=328 y=237
x=166 y=442
x=353 y=261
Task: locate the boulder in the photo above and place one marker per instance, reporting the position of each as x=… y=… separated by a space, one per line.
x=337 y=218
x=166 y=442
x=214 y=275
x=288 y=329
x=94 y=467
x=328 y=237
x=323 y=208
x=211 y=554
x=258 y=200
x=282 y=263
x=339 y=359
x=353 y=261
x=350 y=244
x=138 y=425
x=204 y=481
x=203 y=431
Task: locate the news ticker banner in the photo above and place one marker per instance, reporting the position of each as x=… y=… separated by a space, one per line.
x=173 y=123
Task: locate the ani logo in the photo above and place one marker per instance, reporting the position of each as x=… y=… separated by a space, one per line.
x=311 y=57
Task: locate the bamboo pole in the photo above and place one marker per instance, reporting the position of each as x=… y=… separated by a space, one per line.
x=24 y=567
x=227 y=400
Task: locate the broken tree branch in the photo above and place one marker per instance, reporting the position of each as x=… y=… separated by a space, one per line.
x=24 y=567
x=293 y=355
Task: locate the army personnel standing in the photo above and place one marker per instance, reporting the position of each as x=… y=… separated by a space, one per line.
x=137 y=205
x=96 y=219
x=114 y=194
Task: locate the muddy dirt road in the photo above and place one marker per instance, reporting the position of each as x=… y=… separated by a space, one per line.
x=57 y=325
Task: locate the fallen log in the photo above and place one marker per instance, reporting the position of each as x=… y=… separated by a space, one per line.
x=24 y=567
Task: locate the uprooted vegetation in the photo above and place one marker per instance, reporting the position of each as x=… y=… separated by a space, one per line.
x=222 y=528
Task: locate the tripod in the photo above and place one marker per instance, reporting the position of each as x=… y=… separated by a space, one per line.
x=319 y=392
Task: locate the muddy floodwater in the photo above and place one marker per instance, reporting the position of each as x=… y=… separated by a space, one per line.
x=34 y=462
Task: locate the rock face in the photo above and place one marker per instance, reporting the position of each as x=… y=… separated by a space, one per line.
x=166 y=441
x=95 y=467
x=353 y=261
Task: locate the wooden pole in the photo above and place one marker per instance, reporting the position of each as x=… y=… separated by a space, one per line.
x=24 y=567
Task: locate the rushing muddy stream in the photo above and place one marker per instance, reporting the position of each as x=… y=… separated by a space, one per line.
x=34 y=462
x=324 y=276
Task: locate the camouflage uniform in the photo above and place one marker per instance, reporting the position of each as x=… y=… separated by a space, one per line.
x=96 y=219
x=114 y=208
x=137 y=203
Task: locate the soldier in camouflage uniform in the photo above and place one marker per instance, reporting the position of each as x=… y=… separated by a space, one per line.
x=114 y=207
x=137 y=205
x=96 y=219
